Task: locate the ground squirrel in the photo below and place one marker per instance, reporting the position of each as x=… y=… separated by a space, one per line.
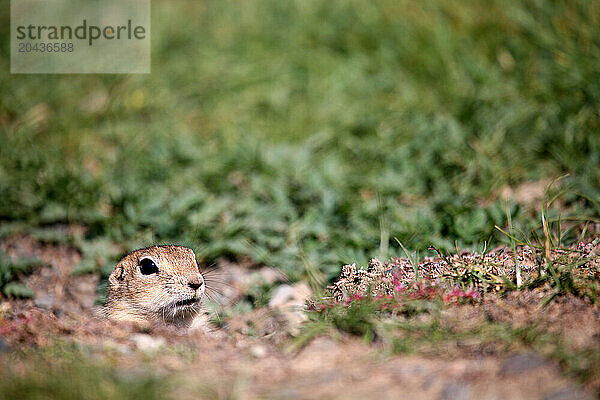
x=156 y=284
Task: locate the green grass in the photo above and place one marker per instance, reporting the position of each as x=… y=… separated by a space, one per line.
x=42 y=374
x=11 y=271
x=305 y=135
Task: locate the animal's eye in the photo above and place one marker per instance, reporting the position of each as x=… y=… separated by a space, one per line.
x=148 y=267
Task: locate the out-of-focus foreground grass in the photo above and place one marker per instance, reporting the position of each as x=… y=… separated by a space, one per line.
x=307 y=134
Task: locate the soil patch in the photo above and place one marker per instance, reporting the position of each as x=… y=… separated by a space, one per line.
x=250 y=355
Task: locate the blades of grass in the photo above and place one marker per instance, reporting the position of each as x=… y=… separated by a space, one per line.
x=521 y=242
x=443 y=257
x=549 y=242
x=575 y=218
x=316 y=277
x=548 y=299
x=553 y=273
x=592 y=200
x=513 y=247
x=309 y=331
x=559 y=227
x=384 y=232
x=412 y=261
x=583 y=231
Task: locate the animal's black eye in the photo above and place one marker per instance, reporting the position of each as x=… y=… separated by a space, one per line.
x=148 y=267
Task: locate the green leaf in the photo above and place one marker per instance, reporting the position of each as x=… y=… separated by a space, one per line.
x=14 y=289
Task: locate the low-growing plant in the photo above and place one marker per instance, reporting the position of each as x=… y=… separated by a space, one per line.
x=11 y=271
x=558 y=266
x=64 y=371
x=413 y=322
x=361 y=314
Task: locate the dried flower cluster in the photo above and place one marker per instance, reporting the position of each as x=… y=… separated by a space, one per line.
x=471 y=273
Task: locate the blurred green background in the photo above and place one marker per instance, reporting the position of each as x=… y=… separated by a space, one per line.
x=307 y=134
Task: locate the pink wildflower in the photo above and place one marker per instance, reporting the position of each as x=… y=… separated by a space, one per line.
x=356 y=296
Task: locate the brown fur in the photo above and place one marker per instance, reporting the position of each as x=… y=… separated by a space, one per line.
x=139 y=298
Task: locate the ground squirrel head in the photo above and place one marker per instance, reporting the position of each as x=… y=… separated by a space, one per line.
x=158 y=283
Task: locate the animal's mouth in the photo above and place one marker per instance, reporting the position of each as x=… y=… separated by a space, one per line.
x=188 y=302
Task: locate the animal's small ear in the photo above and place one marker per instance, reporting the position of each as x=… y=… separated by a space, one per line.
x=117 y=274
x=120 y=270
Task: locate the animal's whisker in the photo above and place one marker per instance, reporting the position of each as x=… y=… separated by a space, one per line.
x=215 y=278
x=218 y=284
x=210 y=269
x=153 y=284
x=215 y=292
x=211 y=297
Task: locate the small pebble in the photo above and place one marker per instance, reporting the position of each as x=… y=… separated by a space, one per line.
x=455 y=391
x=44 y=301
x=282 y=295
x=147 y=343
x=286 y=295
x=258 y=351
x=522 y=363
x=4 y=347
x=568 y=393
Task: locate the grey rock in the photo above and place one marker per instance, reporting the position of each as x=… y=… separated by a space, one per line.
x=568 y=393
x=288 y=301
x=4 y=347
x=286 y=295
x=45 y=301
x=522 y=363
x=147 y=343
x=455 y=391
x=281 y=296
x=258 y=351
x=289 y=394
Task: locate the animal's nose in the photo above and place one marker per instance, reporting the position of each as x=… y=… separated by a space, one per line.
x=195 y=282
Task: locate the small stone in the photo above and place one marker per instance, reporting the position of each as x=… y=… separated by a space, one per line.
x=568 y=393
x=288 y=301
x=282 y=295
x=455 y=391
x=4 y=347
x=5 y=307
x=147 y=343
x=522 y=363
x=286 y=295
x=44 y=301
x=258 y=351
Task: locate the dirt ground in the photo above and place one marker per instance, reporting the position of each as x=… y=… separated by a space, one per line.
x=230 y=362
